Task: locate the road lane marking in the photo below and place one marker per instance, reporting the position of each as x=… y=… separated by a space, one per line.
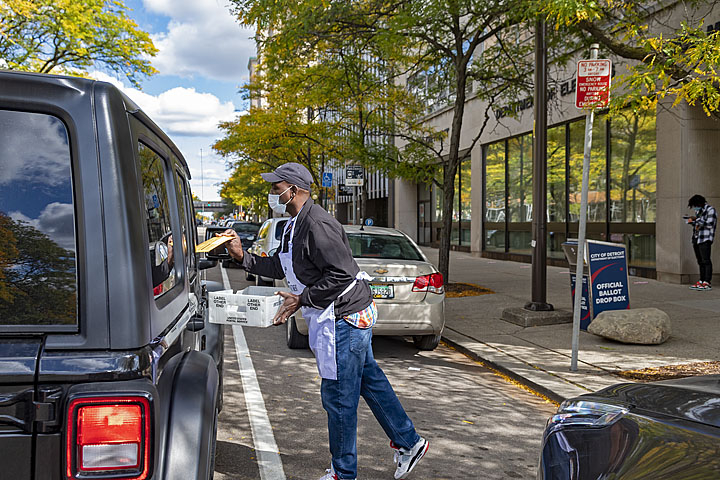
x=268 y=456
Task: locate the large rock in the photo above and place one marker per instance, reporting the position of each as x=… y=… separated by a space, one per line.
x=646 y=326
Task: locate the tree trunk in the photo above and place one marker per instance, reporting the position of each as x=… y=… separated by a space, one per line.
x=450 y=169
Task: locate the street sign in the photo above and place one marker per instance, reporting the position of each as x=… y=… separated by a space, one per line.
x=344 y=190
x=327 y=179
x=593 y=83
x=607 y=263
x=354 y=176
x=369 y=222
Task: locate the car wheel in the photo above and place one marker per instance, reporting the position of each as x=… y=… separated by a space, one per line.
x=426 y=342
x=226 y=264
x=294 y=338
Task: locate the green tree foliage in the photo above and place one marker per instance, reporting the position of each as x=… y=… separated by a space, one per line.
x=329 y=95
x=73 y=36
x=246 y=188
x=37 y=278
x=670 y=51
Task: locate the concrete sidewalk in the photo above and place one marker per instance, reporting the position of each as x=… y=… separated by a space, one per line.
x=540 y=356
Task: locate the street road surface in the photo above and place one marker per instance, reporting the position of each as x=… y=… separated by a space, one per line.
x=479 y=425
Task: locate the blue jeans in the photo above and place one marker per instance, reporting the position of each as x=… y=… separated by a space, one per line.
x=359 y=374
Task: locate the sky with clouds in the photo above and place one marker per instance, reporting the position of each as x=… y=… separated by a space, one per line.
x=202 y=63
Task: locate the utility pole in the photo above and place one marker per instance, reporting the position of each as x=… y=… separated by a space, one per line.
x=539 y=222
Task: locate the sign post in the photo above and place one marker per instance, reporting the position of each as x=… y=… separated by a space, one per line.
x=354 y=177
x=593 y=84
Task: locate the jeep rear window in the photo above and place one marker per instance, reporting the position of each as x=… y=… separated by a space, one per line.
x=38 y=284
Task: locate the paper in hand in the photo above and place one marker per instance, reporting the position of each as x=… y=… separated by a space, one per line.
x=213 y=243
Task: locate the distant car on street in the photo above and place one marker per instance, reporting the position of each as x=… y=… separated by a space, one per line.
x=408 y=290
x=248 y=232
x=661 y=430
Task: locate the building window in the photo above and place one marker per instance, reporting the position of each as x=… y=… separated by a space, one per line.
x=495 y=205
x=621 y=195
x=556 y=190
x=520 y=202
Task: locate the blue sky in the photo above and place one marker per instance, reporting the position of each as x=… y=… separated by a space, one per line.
x=202 y=62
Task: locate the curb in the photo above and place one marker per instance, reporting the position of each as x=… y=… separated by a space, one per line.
x=504 y=371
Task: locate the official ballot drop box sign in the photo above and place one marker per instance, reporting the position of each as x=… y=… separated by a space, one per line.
x=609 y=280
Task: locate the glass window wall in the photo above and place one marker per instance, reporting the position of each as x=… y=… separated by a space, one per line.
x=622 y=188
x=494 y=217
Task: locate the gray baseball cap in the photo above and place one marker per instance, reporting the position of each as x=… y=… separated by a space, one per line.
x=292 y=172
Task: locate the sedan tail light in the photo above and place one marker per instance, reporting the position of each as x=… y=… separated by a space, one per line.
x=109 y=437
x=429 y=283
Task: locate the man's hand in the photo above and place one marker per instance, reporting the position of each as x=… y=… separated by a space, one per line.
x=234 y=246
x=290 y=305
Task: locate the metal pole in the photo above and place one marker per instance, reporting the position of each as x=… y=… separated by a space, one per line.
x=582 y=227
x=202 y=186
x=354 y=217
x=539 y=222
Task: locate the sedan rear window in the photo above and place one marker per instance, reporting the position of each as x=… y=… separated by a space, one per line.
x=246 y=227
x=38 y=284
x=382 y=246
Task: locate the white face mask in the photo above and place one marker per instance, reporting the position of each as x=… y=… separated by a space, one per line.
x=274 y=202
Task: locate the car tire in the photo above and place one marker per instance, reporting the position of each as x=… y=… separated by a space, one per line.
x=294 y=338
x=426 y=342
x=226 y=264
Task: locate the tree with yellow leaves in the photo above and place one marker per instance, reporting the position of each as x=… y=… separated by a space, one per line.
x=72 y=37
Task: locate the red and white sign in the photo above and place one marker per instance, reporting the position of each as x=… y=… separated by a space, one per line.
x=593 y=83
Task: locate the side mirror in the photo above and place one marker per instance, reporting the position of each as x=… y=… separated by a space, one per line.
x=204 y=263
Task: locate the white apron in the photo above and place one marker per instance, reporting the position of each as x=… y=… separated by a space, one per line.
x=321 y=323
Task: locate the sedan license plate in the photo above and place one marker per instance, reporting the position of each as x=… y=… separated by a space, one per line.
x=382 y=291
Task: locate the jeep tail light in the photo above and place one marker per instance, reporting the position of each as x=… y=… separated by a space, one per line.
x=109 y=437
x=429 y=283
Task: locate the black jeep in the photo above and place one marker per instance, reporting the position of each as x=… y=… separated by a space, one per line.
x=108 y=367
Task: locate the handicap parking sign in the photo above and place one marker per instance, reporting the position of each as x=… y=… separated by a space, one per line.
x=327 y=179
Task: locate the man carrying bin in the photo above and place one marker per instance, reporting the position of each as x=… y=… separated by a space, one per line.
x=326 y=282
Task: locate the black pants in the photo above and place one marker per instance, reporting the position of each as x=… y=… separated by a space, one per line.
x=702 y=253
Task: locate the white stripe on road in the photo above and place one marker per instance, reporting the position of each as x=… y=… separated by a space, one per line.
x=268 y=456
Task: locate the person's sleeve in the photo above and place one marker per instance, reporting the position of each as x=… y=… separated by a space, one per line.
x=330 y=256
x=269 y=267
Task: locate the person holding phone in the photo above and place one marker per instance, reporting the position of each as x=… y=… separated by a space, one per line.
x=704 y=222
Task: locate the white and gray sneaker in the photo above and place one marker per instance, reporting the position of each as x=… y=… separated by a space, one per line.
x=330 y=474
x=407 y=459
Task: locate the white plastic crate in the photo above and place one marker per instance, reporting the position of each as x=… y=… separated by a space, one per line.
x=250 y=307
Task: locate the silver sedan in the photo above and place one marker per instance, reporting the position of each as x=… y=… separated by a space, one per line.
x=408 y=289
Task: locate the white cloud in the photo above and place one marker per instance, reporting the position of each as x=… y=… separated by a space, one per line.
x=55 y=221
x=203 y=39
x=180 y=111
